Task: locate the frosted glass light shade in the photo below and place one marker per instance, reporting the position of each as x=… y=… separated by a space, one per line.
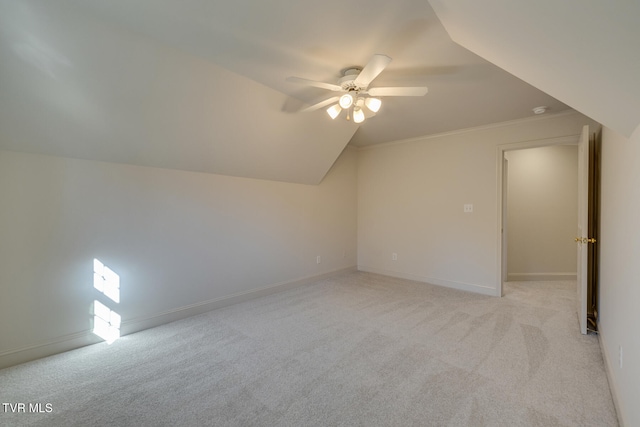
x=334 y=110
x=373 y=104
x=358 y=115
x=346 y=100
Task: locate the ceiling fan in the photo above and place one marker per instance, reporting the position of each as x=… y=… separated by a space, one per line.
x=354 y=91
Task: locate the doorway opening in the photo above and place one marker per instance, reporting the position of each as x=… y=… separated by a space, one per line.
x=531 y=259
x=542 y=213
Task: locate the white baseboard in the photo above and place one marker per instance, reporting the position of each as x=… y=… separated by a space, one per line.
x=140 y=323
x=613 y=386
x=540 y=277
x=86 y=337
x=55 y=346
x=470 y=287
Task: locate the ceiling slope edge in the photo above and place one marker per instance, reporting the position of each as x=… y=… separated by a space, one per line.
x=480 y=128
x=582 y=52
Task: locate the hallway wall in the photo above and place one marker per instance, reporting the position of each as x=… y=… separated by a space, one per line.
x=542 y=213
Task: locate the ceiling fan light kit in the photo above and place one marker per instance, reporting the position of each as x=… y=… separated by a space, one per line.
x=373 y=104
x=346 y=100
x=354 y=84
x=334 y=111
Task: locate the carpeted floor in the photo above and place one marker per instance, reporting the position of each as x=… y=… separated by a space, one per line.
x=358 y=349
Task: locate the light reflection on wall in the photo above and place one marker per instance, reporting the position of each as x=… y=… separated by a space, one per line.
x=106 y=281
x=106 y=322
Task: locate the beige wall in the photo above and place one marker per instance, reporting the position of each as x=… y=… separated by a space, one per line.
x=411 y=197
x=620 y=270
x=542 y=213
x=181 y=242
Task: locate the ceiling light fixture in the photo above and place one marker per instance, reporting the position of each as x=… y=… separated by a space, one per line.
x=346 y=100
x=355 y=92
x=354 y=102
x=334 y=111
x=373 y=104
x=358 y=115
x=540 y=110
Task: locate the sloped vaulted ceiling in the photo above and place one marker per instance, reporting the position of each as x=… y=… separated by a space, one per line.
x=75 y=87
x=200 y=85
x=586 y=53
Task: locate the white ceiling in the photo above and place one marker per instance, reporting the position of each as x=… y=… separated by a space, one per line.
x=584 y=52
x=200 y=85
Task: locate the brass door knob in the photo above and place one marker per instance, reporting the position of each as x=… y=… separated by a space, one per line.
x=585 y=240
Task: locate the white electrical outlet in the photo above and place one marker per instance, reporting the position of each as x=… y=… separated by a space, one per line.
x=318 y=259
x=468 y=208
x=394 y=256
x=620 y=357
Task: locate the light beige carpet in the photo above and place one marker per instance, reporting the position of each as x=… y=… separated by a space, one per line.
x=358 y=349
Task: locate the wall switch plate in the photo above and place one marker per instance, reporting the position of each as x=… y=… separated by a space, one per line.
x=394 y=256
x=318 y=259
x=468 y=208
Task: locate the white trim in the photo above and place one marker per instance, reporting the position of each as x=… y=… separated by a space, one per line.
x=471 y=129
x=86 y=337
x=145 y=322
x=613 y=386
x=536 y=143
x=469 y=287
x=48 y=348
x=531 y=277
x=500 y=150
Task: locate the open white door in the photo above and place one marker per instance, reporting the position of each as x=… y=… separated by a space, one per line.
x=583 y=224
x=505 y=189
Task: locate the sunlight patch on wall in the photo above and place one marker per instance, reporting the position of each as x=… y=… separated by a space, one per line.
x=106 y=281
x=106 y=322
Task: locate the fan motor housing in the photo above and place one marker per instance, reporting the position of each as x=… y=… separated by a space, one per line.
x=347 y=80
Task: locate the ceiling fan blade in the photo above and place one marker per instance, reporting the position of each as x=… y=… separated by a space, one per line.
x=398 y=91
x=376 y=64
x=314 y=83
x=320 y=104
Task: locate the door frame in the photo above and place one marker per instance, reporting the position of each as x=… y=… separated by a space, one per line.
x=501 y=196
x=582 y=229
